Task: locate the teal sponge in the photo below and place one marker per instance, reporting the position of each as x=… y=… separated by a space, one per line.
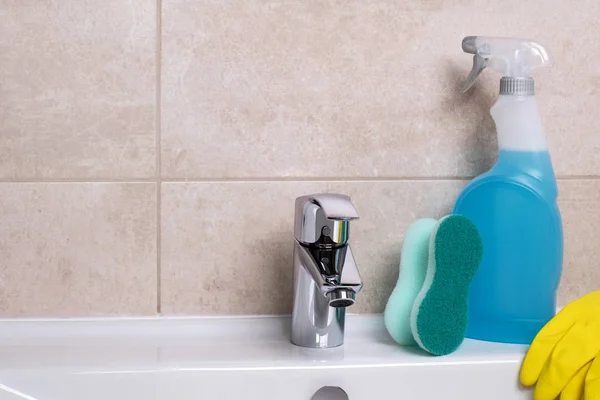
x=413 y=266
x=439 y=314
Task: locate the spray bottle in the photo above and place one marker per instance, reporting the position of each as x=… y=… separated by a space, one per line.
x=514 y=204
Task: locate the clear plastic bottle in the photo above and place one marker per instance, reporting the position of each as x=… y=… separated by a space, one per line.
x=514 y=204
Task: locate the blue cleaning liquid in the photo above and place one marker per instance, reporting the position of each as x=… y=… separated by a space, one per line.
x=514 y=207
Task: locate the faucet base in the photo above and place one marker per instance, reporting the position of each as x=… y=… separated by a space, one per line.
x=328 y=337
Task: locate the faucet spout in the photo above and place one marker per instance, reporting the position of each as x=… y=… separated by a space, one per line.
x=330 y=269
x=341 y=298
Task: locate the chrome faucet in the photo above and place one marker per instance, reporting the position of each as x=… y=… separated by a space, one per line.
x=326 y=277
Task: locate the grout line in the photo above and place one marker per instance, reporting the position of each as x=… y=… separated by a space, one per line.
x=158 y=179
x=80 y=180
x=352 y=179
x=158 y=150
x=313 y=179
x=577 y=177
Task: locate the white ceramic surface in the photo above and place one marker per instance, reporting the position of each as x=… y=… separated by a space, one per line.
x=237 y=358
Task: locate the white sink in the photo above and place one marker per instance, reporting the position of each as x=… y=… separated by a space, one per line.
x=237 y=358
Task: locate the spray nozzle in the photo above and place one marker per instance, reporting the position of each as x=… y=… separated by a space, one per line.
x=511 y=57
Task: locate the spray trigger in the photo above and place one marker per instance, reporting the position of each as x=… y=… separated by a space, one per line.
x=479 y=64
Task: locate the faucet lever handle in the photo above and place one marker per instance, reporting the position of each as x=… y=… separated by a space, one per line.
x=323 y=214
x=338 y=207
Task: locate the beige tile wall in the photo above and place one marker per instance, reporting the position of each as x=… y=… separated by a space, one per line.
x=150 y=151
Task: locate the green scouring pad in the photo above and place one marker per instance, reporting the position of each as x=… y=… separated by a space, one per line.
x=439 y=314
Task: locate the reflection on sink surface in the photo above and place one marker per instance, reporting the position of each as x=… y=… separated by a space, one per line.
x=232 y=358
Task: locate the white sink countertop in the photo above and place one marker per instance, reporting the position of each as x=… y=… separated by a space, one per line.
x=238 y=357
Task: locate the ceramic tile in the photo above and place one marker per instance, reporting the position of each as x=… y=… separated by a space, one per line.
x=361 y=89
x=227 y=247
x=579 y=202
x=77 y=249
x=77 y=89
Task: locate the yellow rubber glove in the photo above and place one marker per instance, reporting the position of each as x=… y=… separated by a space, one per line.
x=592 y=380
x=563 y=348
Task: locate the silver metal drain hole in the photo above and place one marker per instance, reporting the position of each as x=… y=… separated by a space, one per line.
x=330 y=393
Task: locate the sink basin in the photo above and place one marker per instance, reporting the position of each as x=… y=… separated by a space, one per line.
x=238 y=358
